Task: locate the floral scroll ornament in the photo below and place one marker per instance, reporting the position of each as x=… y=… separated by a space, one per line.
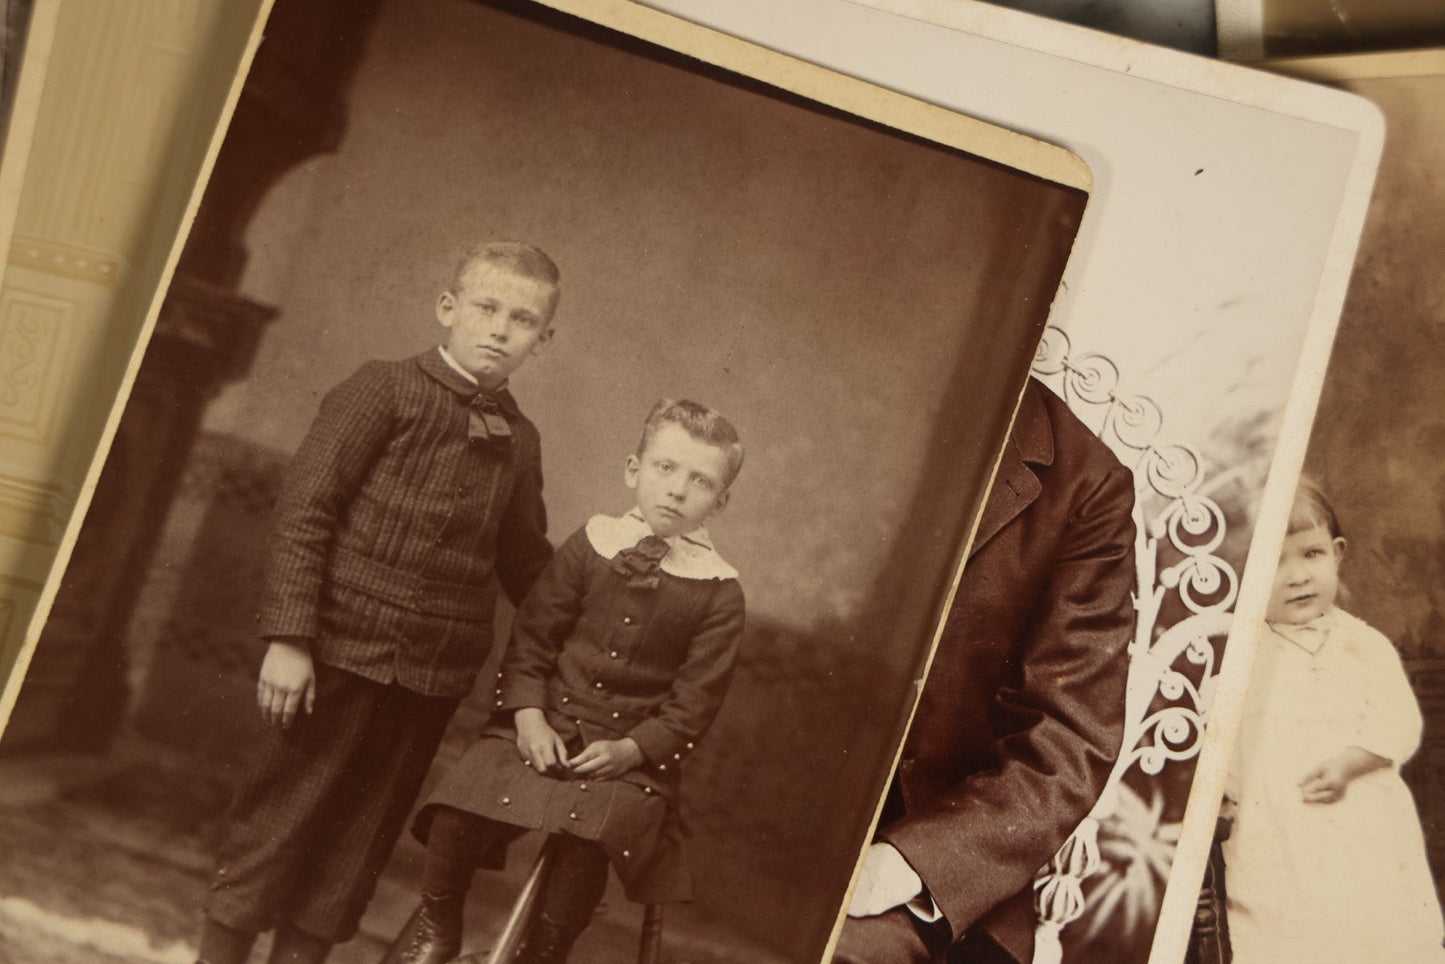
x=1183 y=597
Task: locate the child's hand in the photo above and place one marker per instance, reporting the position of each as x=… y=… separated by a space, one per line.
x=608 y=758
x=1326 y=783
x=541 y=748
x=287 y=682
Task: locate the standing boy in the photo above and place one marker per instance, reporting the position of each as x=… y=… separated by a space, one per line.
x=419 y=480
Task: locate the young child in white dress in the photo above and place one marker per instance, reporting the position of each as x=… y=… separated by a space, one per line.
x=1326 y=860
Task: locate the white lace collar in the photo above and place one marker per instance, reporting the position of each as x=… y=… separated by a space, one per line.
x=691 y=556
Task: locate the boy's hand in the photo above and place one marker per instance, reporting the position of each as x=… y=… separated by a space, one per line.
x=1326 y=783
x=608 y=758
x=287 y=683
x=541 y=748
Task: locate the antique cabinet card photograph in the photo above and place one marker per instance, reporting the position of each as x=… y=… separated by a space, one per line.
x=1347 y=668
x=451 y=257
x=1253 y=30
x=1192 y=334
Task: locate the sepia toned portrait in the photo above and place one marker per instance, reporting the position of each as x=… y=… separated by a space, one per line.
x=1331 y=839
x=552 y=427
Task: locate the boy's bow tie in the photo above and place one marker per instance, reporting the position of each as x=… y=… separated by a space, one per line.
x=484 y=418
x=640 y=564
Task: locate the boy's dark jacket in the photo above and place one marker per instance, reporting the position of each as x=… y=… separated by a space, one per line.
x=1023 y=712
x=606 y=660
x=651 y=664
x=392 y=522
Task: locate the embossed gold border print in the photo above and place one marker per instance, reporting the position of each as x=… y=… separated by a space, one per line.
x=857 y=279
x=1254 y=30
x=28 y=30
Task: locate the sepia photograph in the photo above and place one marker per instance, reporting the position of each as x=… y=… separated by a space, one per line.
x=1251 y=30
x=1331 y=837
x=536 y=502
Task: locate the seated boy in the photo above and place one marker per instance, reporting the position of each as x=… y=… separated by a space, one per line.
x=418 y=482
x=618 y=662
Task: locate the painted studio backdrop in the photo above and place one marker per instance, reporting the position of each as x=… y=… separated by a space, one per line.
x=863 y=305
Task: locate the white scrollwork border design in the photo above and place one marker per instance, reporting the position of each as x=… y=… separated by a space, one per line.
x=1171 y=667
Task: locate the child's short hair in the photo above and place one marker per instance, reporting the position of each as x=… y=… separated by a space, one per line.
x=702 y=423
x=527 y=260
x=1311 y=508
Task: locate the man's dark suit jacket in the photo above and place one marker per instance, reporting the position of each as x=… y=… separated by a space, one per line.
x=1023 y=711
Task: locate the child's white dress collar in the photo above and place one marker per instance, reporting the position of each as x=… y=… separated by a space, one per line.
x=1310 y=636
x=690 y=556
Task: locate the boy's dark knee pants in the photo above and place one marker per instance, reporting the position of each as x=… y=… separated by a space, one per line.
x=319 y=811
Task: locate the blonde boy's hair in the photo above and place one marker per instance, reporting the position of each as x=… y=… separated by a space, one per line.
x=527 y=260
x=702 y=423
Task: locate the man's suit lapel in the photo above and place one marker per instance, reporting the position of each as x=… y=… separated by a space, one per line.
x=1016 y=485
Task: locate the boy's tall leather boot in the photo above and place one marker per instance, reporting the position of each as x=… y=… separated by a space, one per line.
x=433 y=933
